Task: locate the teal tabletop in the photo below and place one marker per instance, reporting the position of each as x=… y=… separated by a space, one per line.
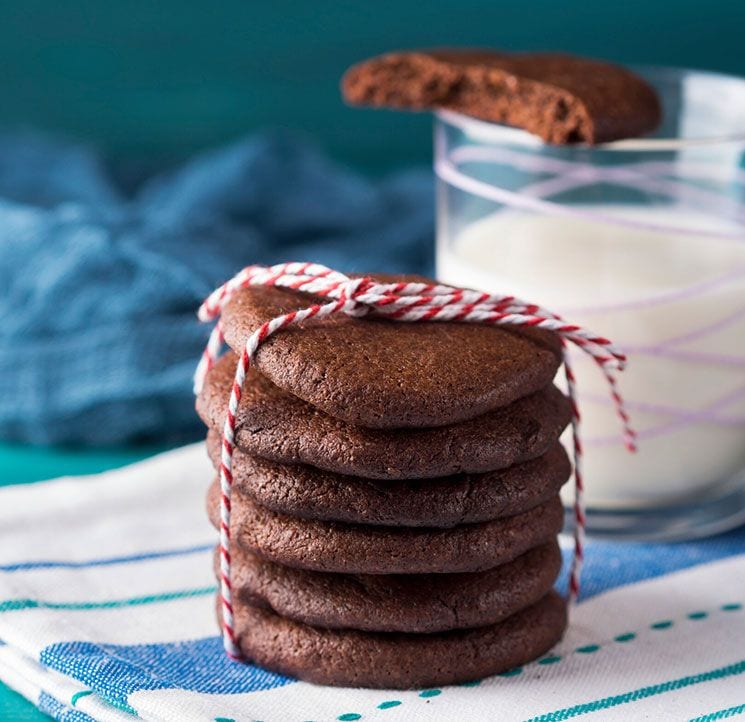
x=22 y=465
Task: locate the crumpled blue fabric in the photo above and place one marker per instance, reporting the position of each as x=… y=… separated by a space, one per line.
x=98 y=333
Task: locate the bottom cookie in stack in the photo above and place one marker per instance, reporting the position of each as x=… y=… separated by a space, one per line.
x=397 y=660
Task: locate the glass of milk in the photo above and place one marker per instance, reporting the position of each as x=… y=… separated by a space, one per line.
x=642 y=241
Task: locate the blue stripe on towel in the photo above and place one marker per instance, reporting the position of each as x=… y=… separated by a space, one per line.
x=613 y=564
x=115 y=671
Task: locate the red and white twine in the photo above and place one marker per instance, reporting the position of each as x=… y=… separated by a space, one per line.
x=399 y=302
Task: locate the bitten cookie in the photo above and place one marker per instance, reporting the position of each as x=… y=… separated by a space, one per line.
x=561 y=98
x=275 y=425
x=310 y=493
x=382 y=374
x=335 y=547
x=393 y=660
x=396 y=603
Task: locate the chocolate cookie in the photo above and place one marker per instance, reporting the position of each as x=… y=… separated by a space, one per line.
x=396 y=603
x=561 y=98
x=328 y=546
x=386 y=374
x=394 y=660
x=310 y=493
x=280 y=427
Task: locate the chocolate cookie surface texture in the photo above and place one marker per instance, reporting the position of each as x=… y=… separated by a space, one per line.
x=379 y=373
x=311 y=493
x=350 y=658
x=560 y=98
x=278 y=426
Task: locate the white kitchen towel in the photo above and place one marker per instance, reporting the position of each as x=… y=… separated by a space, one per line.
x=107 y=611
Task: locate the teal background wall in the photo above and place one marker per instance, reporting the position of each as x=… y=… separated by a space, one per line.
x=150 y=79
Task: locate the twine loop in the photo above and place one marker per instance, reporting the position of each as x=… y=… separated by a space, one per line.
x=404 y=302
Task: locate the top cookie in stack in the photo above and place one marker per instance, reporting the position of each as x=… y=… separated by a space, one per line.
x=383 y=375
x=395 y=502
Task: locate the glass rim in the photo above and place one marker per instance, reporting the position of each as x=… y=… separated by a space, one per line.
x=498 y=133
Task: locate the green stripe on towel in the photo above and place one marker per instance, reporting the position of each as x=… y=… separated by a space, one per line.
x=642 y=693
x=83 y=693
x=722 y=714
x=12 y=605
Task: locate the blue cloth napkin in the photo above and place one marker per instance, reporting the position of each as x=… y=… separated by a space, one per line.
x=98 y=337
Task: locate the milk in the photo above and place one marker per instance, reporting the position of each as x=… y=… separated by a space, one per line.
x=641 y=288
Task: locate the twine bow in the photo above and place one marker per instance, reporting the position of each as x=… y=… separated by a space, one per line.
x=406 y=302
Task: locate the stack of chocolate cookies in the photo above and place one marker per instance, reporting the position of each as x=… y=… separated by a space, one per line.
x=395 y=504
